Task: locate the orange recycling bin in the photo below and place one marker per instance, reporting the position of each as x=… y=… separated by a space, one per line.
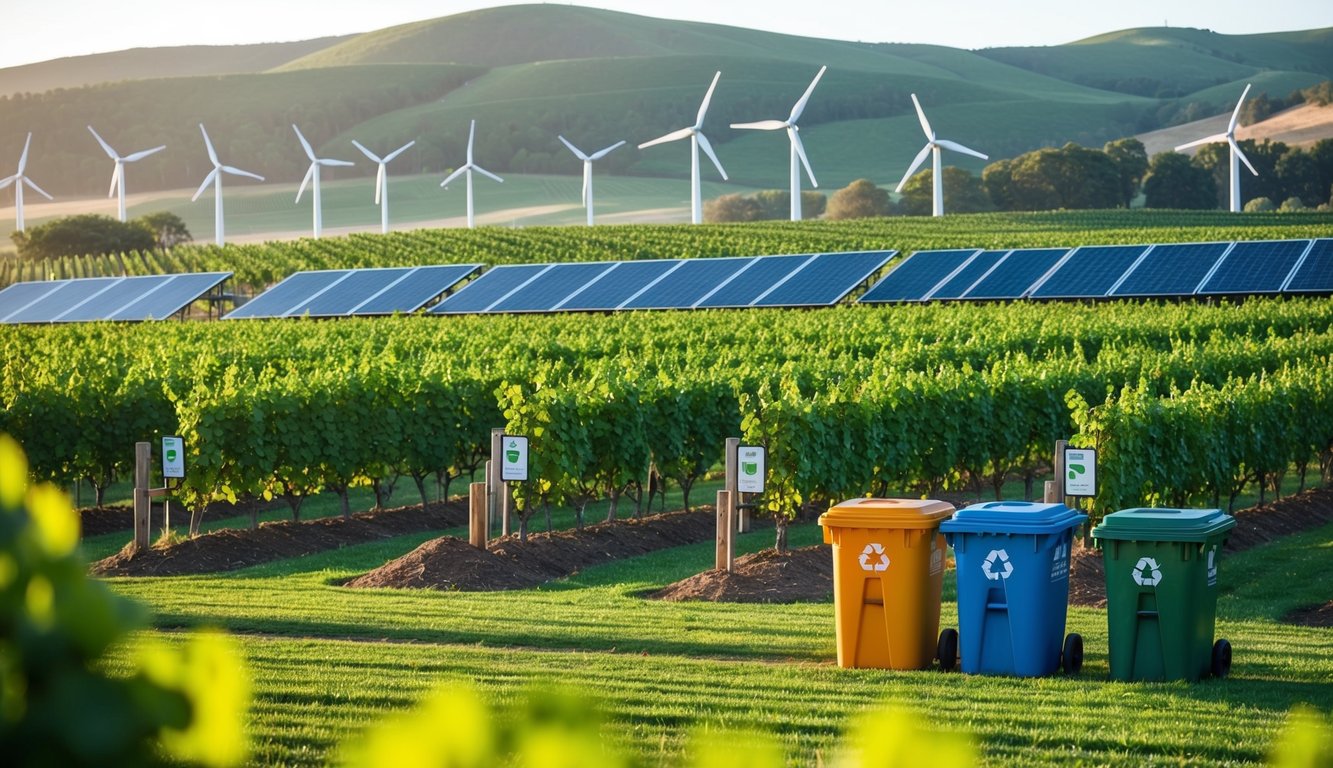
x=888 y=571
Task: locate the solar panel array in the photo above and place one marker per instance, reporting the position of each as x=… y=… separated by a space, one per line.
x=1112 y=271
x=807 y=280
x=354 y=292
x=149 y=297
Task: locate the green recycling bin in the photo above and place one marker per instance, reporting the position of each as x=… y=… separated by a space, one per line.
x=1161 y=592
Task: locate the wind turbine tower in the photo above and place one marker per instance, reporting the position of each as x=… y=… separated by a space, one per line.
x=933 y=147
x=18 y=180
x=313 y=174
x=1237 y=157
x=382 y=179
x=798 y=157
x=697 y=141
x=467 y=170
x=214 y=177
x=588 y=160
x=118 y=175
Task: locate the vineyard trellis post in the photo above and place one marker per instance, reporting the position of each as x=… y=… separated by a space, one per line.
x=477 y=529
x=1055 y=489
x=742 y=520
x=726 y=531
x=494 y=485
x=144 y=495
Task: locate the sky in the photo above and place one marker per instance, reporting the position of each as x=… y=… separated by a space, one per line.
x=50 y=29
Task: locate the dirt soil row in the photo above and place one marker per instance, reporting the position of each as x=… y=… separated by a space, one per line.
x=95 y=521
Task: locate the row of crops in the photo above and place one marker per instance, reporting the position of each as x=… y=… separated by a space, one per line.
x=1187 y=403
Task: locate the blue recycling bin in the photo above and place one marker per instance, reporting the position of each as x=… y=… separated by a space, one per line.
x=1012 y=564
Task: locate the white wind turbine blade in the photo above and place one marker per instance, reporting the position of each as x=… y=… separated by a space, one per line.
x=379 y=183
x=23 y=158
x=683 y=133
x=487 y=173
x=327 y=162
x=601 y=153
x=921 y=115
x=1201 y=142
x=800 y=105
x=920 y=158
x=111 y=153
x=703 y=108
x=795 y=136
x=399 y=151
x=1236 y=148
x=239 y=172
x=762 y=125
x=309 y=174
x=212 y=154
x=36 y=188
x=471 y=134
x=955 y=146
x=5 y=182
x=1235 y=115
x=207 y=180
x=309 y=152
x=708 y=150
x=115 y=179
x=577 y=152
x=454 y=175
x=145 y=153
x=370 y=155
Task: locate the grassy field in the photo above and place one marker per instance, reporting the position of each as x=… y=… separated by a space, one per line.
x=326 y=659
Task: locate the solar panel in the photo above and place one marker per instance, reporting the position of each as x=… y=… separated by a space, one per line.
x=1089 y=272
x=824 y=280
x=113 y=297
x=67 y=296
x=1175 y=269
x=1314 y=273
x=967 y=275
x=685 y=285
x=288 y=294
x=552 y=288
x=170 y=297
x=490 y=287
x=346 y=292
x=145 y=297
x=620 y=284
x=756 y=279
x=1015 y=273
x=415 y=289
x=917 y=275
x=19 y=296
x=1255 y=267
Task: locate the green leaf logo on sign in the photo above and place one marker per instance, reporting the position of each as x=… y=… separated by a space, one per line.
x=1075 y=470
x=171 y=455
x=750 y=467
x=511 y=456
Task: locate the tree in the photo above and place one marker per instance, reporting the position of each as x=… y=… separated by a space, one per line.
x=858 y=200
x=1298 y=174
x=963 y=193
x=1173 y=181
x=168 y=228
x=1072 y=177
x=1260 y=205
x=733 y=207
x=82 y=235
x=1131 y=160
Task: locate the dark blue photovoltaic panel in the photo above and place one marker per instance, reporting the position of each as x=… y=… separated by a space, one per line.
x=489 y=287
x=546 y=292
x=1016 y=273
x=20 y=295
x=1172 y=270
x=1255 y=267
x=754 y=281
x=349 y=291
x=688 y=283
x=826 y=280
x=116 y=293
x=968 y=276
x=417 y=288
x=287 y=295
x=171 y=297
x=1315 y=274
x=620 y=284
x=1089 y=272
x=916 y=276
x=70 y=294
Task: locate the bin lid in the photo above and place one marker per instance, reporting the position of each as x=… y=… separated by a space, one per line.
x=1164 y=524
x=1013 y=517
x=887 y=513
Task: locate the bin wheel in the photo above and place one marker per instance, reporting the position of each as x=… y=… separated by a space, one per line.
x=947 y=650
x=1221 y=658
x=1071 y=659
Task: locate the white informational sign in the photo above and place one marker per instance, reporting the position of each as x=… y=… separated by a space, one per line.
x=1080 y=472
x=514 y=458
x=750 y=463
x=173 y=458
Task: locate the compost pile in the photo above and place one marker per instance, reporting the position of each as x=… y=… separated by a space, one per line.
x=800 y=575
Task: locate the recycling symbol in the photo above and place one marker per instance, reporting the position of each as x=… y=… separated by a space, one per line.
x=994 y=571
x=1147 y=573
x=868 y=554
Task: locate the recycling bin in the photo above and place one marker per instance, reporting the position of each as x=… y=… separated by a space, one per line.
x=1161 y=592
x=888 y=571
x=1012 y=563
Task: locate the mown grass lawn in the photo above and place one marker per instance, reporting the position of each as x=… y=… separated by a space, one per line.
x=327 y=660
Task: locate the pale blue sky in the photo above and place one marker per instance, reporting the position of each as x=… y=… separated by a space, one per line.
x=37 y=30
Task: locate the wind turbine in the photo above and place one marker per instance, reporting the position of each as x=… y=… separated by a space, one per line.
x=382 y=179
x=215 y=177
x=794 y=137
x=1237 y=157
x=467 y=169
x=588 y=160
x=18 y=180
x=933 y=146
x=697 y=140
x=313 y=173
x=118 y=175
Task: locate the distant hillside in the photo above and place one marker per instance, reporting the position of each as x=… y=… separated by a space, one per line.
x=140 y=63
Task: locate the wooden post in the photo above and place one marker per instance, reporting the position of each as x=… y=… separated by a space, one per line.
x=143 y=456
x=493 y=482
x=476 y=529
x=1059 y=464
x=732 y=480
x=726 y=532
x=1051 y=493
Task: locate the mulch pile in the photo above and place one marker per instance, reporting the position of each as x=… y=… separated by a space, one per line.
x=452 y=564
x=800 y=575
x=233 y=548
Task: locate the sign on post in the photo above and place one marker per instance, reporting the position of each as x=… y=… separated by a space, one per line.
x=173 y=458
x=1080 y=472
x=514 y=458
x=750 y=478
